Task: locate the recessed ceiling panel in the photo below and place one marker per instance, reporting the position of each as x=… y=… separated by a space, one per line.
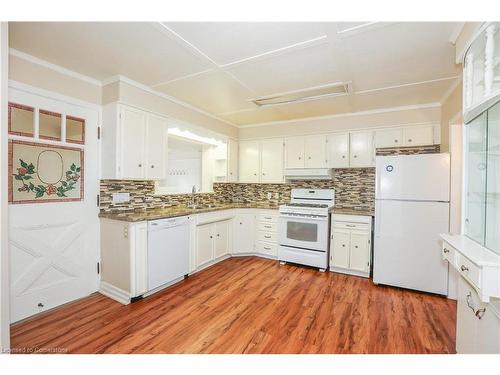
x=227 y=42
x=140 y=51
x=255 y=116
x=214 y=91
x=294 y=70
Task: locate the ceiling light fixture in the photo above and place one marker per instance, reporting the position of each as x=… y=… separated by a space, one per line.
x=320 y=92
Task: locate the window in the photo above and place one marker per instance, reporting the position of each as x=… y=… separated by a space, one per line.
x=21 y=120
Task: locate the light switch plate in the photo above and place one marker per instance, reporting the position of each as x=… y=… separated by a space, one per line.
x=121 y=197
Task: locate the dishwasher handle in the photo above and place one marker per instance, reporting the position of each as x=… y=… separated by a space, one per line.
x=167 y=223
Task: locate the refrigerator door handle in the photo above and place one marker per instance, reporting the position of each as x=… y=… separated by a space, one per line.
x=378 y=214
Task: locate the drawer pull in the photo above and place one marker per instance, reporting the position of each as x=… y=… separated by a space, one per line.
x=446 y=251
x=350 y=225
x=267 y=236
x=267 y=248
x=267 y=226
x=464 y=269
x=267 y=217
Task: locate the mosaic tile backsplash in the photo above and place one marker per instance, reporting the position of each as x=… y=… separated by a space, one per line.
x=354 y=189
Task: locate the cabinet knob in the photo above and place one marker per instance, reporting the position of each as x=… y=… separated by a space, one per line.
x=152 y=166
x=343 y=245
x=300 y=158
x=309 y=158
x=446 y=251
x=218 y=235
x=211 y=236
x=409 y=140
x=395 y=141
x=463 y=268
x=356 y=246
x=355 y=156
x=343 y=156
x=140 y=165
x=231 y=173
x=263 y=174
x=255 y=174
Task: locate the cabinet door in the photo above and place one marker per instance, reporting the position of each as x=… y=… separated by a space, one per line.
x=204 y=244
x=244 y=233
x=133 y=129
x=361 y=149
x=389 y=138
x=271 y=160
x=338 y=150
x=221 y=246
x=340 y=248
x=419 y=135
x=156 y=144
x=249 y=161
x=359 y=259
x=466 y=319
x=232 y=154
x=315 y=151
x=294 y=150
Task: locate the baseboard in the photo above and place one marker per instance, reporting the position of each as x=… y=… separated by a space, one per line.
x=350 y=272
x=115 y=293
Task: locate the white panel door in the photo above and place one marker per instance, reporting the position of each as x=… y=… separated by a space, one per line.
x=204 y=244
x=407 y=249
x=271 y=160
x=243 y=233
x=315 y=151
x=294 y=152
x=389 y=138
x=133 y=130
x=419 y=135
x=338 y=150
x=54 y=247
x=156 y=147
x=359 y=259
x=232 y=170
x=249 y=166
x=361 y=149
x=413 y=177
x=221 y=246
x=340 y=249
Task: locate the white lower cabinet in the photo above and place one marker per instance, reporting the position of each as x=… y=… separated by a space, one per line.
x=212 y=241
x=267 y=233
x=243 y=232
x=478 y=323
x=123 y=266
x=350 y=246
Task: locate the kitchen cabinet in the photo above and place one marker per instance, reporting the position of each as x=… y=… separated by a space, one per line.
x=271 y=151
x=350 y=244
x=123 y=265
x=249 y=161
x=232 y=165
x=212 y=241
x=267 y=233
x=243 y=232
x=134 y=143
x=385 y=138
x=361 y=151
x=338 y=150
x=421 y=135
x=306 y=152
x=261 y=161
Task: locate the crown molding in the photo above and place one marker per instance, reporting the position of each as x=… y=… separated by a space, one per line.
x=347 y=114
x=450 y=90
x=54 y=67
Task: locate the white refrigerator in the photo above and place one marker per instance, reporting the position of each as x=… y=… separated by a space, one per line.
x=412 y=204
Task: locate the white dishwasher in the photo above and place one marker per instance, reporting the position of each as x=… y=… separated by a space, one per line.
x=168 y=251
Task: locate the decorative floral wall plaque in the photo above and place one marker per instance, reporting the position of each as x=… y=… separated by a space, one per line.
x=44 y=173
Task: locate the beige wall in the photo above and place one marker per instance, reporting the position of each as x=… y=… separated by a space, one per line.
x=45 y=78
x=347 y=122
x=451 y=109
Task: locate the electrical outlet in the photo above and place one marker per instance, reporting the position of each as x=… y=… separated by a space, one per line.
x=277 y=195
x=269 y=195
x=121 y=197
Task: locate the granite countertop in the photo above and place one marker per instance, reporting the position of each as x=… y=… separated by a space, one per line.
x=353 y=211
x=178 y=210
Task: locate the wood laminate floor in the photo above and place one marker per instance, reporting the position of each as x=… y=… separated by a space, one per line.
x=251 y=305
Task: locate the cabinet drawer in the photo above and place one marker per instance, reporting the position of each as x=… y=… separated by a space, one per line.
x=448 y=253
x=267 y=248
x=351 y=226
x=267 y=226
x=268 y=217
x=468 y=270
x=267 y=236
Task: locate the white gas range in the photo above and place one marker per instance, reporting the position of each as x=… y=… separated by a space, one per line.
x=303 y=227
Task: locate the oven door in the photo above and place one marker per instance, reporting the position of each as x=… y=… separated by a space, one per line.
x=309 y=233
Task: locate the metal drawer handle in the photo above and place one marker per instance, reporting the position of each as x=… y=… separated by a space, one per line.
x=268 y=217
x=267 y=248
x=446 y=251
x=267 y=226
x=350 y=225
x=479 y=313
x=267 y=236
x=464 y=269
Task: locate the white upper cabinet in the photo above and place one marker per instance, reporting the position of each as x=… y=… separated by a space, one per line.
x=249 y=161
x=338 y=150
x=232 y=165
x=315 y=151
x=271 y=160
x=361 y=150
x=294 y=152
x=385 y=138
x=134 y=143
x=419 y=135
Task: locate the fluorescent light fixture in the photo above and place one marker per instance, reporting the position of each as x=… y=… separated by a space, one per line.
x=320 y=92
x=186 y=134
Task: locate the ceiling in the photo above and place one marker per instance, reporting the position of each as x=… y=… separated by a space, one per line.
x=219 y=67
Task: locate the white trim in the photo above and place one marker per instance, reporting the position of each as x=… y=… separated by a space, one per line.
x=120 y=78
x=114 y=293
x=405 y=85
x=183 y=77
x=456 y=32
x=347 y=114
x=453 y=86
x=54 y=67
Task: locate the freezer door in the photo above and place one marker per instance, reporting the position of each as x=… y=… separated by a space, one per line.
x=413 y=177
x=407 y=247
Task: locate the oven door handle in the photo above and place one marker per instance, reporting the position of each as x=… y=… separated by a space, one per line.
x=302 y=218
